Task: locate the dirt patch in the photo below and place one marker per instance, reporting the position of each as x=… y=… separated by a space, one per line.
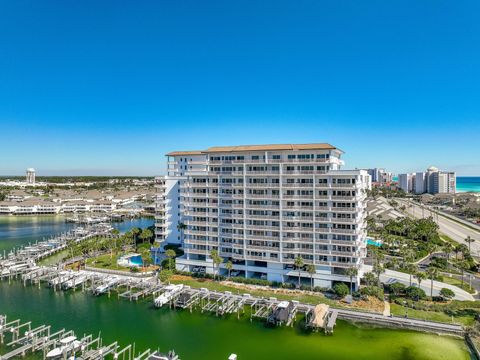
x=183 y=277
x=372 y=304
x=269 y=289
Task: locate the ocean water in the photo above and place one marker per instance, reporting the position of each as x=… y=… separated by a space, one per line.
x=468 y=183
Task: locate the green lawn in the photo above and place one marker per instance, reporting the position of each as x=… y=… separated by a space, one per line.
x=106 y=262
x=213 y=285
x=399 y=310
x=457 y=282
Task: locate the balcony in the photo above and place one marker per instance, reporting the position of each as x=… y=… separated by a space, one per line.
x=345 y=186
x=263 y=227
x=344 y=209
x=261 y=206
x=263 y=172
x=343 y=220
x=344 y=231
x=290 y=161
x=297 y=185
x=304 y=172
x=299 y=218
x=198 y=185
x=266 y=217
x=262 y=258
x=263 y=248
x=196 y=213
x=286 y=250
x=262 y=237
x=300 y=197
x=262 y=196
x=297 y=240
x=297 y=229
x=349 y=197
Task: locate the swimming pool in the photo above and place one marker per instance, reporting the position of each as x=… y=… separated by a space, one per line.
x=374 y=243
x=135 y=260
x=130 y=260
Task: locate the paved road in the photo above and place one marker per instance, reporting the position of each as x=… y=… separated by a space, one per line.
x=454 y=230
x=391 y=276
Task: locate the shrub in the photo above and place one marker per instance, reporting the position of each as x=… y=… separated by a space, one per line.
x=340 y=289
x=447 y=294
x=415 y=293
x=372 y=290
x=440 y=263
x=397 y=288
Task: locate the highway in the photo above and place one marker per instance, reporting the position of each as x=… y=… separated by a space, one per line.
x=454 y=230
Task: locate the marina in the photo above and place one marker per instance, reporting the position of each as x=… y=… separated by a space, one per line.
x=253 y=315
x=21 y=339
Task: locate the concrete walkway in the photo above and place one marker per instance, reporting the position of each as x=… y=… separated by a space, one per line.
x=386 y=310
x=391 y=276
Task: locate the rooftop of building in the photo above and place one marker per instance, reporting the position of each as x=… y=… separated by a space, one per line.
x=247 y=148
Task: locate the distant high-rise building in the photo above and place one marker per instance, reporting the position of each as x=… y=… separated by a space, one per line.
x=379 y=175
x=405 y=182
x=433 y=181
x=420 y=187
x=30 y=177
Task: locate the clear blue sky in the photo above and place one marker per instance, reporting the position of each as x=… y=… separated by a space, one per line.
x=108 y=87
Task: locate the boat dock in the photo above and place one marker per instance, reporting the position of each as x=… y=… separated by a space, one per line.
x=64 y=344
x=22 y=263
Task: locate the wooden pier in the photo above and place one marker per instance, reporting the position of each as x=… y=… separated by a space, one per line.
x=64 y=344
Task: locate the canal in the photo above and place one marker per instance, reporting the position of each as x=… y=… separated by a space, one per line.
x=200 y=336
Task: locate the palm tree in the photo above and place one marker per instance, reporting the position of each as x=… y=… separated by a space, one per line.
x=146 y=256
x=464 y=265
x=419 y=275
x=217 y=260
x=181 y=227
x=145 y=234
x=378 y=269
x=410 y=268
x=448 y=247
x=432 y=273
x=229 y=267
x=170 y=254
x=351 y=272
x=469 y=241
x=298 y=264
x=135 y=232
x=369 y=278
x=311 y=270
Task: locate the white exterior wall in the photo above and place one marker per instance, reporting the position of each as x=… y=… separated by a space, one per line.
x=405 y=182
x=262 y=212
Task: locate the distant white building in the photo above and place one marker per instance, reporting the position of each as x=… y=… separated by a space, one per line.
x=30 y=177
x=380 y=175
x=405 y=182
x=433 y=181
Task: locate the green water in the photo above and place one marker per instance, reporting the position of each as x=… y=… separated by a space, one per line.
x=201 y=336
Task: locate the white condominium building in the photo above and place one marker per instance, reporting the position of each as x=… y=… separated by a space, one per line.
x=263 y=206
x=433 y=181
x=405 y=182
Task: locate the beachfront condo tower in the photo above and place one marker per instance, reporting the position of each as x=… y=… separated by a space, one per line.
x=262 y=207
